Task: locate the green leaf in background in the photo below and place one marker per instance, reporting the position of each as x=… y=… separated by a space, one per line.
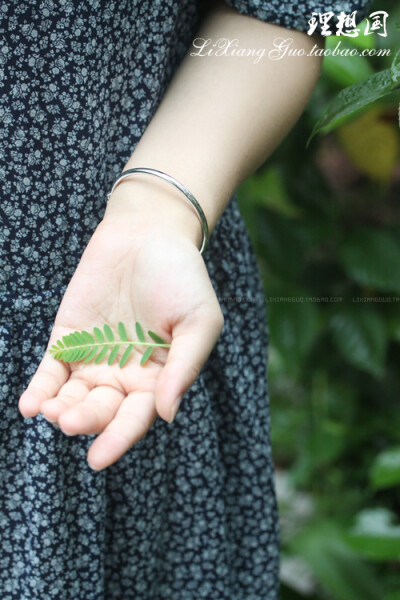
x=392 y=596
x=326 y=442
x=393 y=322
x=332 y=413
x=268 y=189
x=282 y=244
x=375 y=536
x=361 y=41
x=360 y=336
x=346 y=71
x=352 y=99
x=371 y=257
x=289 y=594
x=395 y=71
x=372 y=143
x=385 y=470
x=294 y=327
x=336 y=567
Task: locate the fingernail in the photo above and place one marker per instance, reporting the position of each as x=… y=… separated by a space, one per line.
x=174 y=408
x=49 y=420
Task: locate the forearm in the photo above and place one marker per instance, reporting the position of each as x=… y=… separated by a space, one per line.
x=222 y=116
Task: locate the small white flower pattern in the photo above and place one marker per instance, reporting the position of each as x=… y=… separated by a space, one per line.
x=189 y=512
x=295 y=14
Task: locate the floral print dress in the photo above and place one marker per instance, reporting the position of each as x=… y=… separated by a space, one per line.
x=189 y=512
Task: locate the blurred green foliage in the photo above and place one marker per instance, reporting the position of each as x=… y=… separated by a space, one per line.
x=325 y=224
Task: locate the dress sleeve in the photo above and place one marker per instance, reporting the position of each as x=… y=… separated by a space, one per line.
x=296 y=14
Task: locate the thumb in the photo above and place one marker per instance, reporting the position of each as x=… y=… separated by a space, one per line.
x=193 y=339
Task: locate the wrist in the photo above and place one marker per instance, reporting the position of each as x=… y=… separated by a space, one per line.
x=145 y=203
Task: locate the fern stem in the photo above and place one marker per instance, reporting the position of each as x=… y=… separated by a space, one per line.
x=114 y=343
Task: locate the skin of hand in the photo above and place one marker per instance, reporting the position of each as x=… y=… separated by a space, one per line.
x=218 y=121
x=159 y=280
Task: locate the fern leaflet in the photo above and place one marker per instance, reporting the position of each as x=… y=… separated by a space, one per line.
x=82 y=345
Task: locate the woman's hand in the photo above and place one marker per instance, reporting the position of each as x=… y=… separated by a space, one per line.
x=135 y=268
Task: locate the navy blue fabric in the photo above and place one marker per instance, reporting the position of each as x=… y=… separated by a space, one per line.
x=296 y=14
x=189 y=512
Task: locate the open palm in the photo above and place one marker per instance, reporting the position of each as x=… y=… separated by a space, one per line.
x=160 y=281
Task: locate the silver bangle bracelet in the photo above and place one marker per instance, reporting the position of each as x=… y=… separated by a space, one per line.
x=179 y=186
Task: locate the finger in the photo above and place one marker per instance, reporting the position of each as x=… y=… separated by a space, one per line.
x=71 y=393
x=193 y=340
x=94 y=413
x=133 y=419
x=50 y=375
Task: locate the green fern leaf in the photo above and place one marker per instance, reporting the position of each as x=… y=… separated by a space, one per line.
x=146 y=355
x=74 y=339
x=113 y=354
x=139 y=332
x=156 y=338
x=122 y=332
x=125 y=356
x=68 y=355
x=91 y=355
x=83 y=346
x=70 y=338
x=99 y=334
x=82 y=353
x=101 y=354
x=86 y=351
x=108 y=333
x=80 y=337
x=89 y=339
